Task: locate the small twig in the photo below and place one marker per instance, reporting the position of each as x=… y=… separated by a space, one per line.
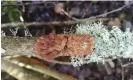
x=23 y=7
x=122 y=68
x=125 y=65
x=61 y=62
x=116 y=10
x=108 y=68
x=73 y=18
x=26 y=31
x=69 y=22
x=87 y=9
x=25 y=4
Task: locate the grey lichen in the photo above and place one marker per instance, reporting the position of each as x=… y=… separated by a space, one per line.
x=107 y=44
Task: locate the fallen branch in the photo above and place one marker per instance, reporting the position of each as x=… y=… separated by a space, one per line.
x=37 y=66
x=69 y=22
x=20 y=73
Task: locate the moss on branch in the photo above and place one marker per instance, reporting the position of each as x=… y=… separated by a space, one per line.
x=18 y=45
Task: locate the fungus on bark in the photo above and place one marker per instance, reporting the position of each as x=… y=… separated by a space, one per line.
x=54 y=45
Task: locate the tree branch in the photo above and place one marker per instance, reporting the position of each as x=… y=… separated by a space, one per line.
x=21 y=73
x=22 y=46
x=69 y=22
x=37 y=66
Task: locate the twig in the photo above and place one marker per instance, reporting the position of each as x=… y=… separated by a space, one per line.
x=23 y=7
x=37 y=66
x=20 y=73
x=125 y=65
x=26 y=31
x=61 y=62
x=25 y=4
x=122 y=73
x=68 y=15
x=69 y=22
x=87 y=9
x=108 y=68
x=116 y=10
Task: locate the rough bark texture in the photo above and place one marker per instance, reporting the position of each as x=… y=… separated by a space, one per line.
x=18 y=45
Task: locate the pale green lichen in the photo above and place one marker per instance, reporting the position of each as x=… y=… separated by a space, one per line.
x=114 y=43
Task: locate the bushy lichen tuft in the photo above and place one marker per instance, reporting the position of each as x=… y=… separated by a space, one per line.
x=114 y=43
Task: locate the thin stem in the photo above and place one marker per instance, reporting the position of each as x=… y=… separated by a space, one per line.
x=69 y=22
x=125 y=65
x=122 y=73
x=116 y=10
x=25 y=4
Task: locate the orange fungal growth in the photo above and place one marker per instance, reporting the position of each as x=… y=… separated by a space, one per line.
x=54 y=45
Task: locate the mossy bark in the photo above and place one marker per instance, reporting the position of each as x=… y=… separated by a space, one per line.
x=18 y=45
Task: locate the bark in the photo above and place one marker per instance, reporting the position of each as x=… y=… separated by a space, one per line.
x=18 y=45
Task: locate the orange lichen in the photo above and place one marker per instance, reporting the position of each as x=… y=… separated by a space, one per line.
x=55 y=45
